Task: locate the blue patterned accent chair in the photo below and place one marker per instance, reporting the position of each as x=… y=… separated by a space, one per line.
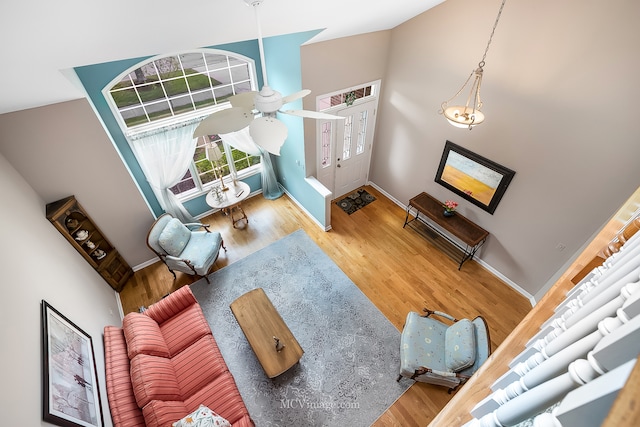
x=443 y=354
x=180 y=247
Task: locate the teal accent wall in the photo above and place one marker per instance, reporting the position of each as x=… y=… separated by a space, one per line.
x=284 y=74
x=282 y=60
x=96 y=77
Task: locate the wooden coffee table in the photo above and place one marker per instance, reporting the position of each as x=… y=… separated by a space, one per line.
x=261 y=322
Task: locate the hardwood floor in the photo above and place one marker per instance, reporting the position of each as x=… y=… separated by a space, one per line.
x=396 y=268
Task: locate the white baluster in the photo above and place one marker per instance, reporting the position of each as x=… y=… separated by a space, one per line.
x=615 y=349
x=559 y=338
x=548 y=369
x=590 y=403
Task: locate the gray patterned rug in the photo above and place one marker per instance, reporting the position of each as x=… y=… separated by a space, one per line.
x=347 y=375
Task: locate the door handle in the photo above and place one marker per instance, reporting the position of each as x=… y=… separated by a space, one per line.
x=338 y=165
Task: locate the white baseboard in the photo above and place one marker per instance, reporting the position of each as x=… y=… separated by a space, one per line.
x=119 y=303
x=493 y=271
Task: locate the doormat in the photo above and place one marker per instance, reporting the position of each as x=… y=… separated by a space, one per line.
x=355 y=201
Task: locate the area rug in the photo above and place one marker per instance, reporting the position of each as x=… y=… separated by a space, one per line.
x=347 y=375
x=355 y=201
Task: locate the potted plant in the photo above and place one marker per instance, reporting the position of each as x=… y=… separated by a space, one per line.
x=450 y=207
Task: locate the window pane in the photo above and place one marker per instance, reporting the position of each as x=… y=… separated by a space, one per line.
x=346 y=144
x=151 y=92
x=185 y=184
x=362 y=133
x=222 y=93
x=222 y=76
x=242 y=87
x=181 y=104
x=125 y=82
x=239 y=70
x=199 y=82
x=125 y=98
x=175 y=86
x=192 y=63
x=135 y=116
x=167 y=65
x=159 y=110
x=326 y=144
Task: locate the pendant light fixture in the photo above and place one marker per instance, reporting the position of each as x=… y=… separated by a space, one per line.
x=470 y=114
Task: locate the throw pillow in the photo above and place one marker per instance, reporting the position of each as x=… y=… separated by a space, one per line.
x=460 y=345
x=202 y=417
x=174 y=237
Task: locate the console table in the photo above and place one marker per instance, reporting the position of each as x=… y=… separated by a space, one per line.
x=457 y=230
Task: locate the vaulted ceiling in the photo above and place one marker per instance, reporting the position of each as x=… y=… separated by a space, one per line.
x=42 y=40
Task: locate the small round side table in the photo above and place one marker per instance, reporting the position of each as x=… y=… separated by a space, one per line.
x=231 y=201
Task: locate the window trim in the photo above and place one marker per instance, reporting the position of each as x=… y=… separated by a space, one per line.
x=130 y=132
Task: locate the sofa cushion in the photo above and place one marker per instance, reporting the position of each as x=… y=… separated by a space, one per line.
x=460 y=345
x=158 y=413
x=202 y=417
x=174 y=237
x=222 y=396
x=170 y=306
x=143 y=336
x=153 y=378
x=188 y=365
x=184 y=328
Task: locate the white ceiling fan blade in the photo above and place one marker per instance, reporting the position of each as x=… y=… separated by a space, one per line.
x=224 y=121
x=245 y=100
x=295 y=96
x=269 y=133
x=312 y=114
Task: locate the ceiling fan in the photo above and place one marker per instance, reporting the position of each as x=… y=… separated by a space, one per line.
x=266 y=131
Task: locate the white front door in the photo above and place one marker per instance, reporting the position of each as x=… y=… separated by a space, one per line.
x=345 y=148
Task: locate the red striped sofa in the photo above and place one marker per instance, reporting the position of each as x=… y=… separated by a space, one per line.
x=163 y=364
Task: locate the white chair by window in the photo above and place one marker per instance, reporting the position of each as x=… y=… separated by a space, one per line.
x=180 y=247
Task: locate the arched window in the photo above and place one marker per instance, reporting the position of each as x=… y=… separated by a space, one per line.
x=169 y=91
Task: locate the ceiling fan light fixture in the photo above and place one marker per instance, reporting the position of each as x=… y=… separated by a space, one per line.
x=268 y=100
x=258 y=110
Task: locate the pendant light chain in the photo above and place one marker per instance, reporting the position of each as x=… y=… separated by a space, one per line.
x=481 y=63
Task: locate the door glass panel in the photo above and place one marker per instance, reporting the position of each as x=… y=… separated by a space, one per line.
x=362 y=132
x=348 y=130
x=325 y=145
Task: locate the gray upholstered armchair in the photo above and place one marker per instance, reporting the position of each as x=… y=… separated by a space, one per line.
x=182 y=248
x=437 y=353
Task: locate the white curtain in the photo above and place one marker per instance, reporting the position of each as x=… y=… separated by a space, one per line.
x=242 y=141
x=164 y=158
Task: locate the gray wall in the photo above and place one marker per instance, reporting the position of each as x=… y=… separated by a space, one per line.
x=63 y=150
x=559 y=90
x=38 y=263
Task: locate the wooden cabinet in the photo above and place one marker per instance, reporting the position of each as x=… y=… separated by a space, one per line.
x=76 y=226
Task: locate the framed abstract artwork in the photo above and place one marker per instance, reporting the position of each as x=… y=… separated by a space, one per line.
x=71 y=396
x=473 y=177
